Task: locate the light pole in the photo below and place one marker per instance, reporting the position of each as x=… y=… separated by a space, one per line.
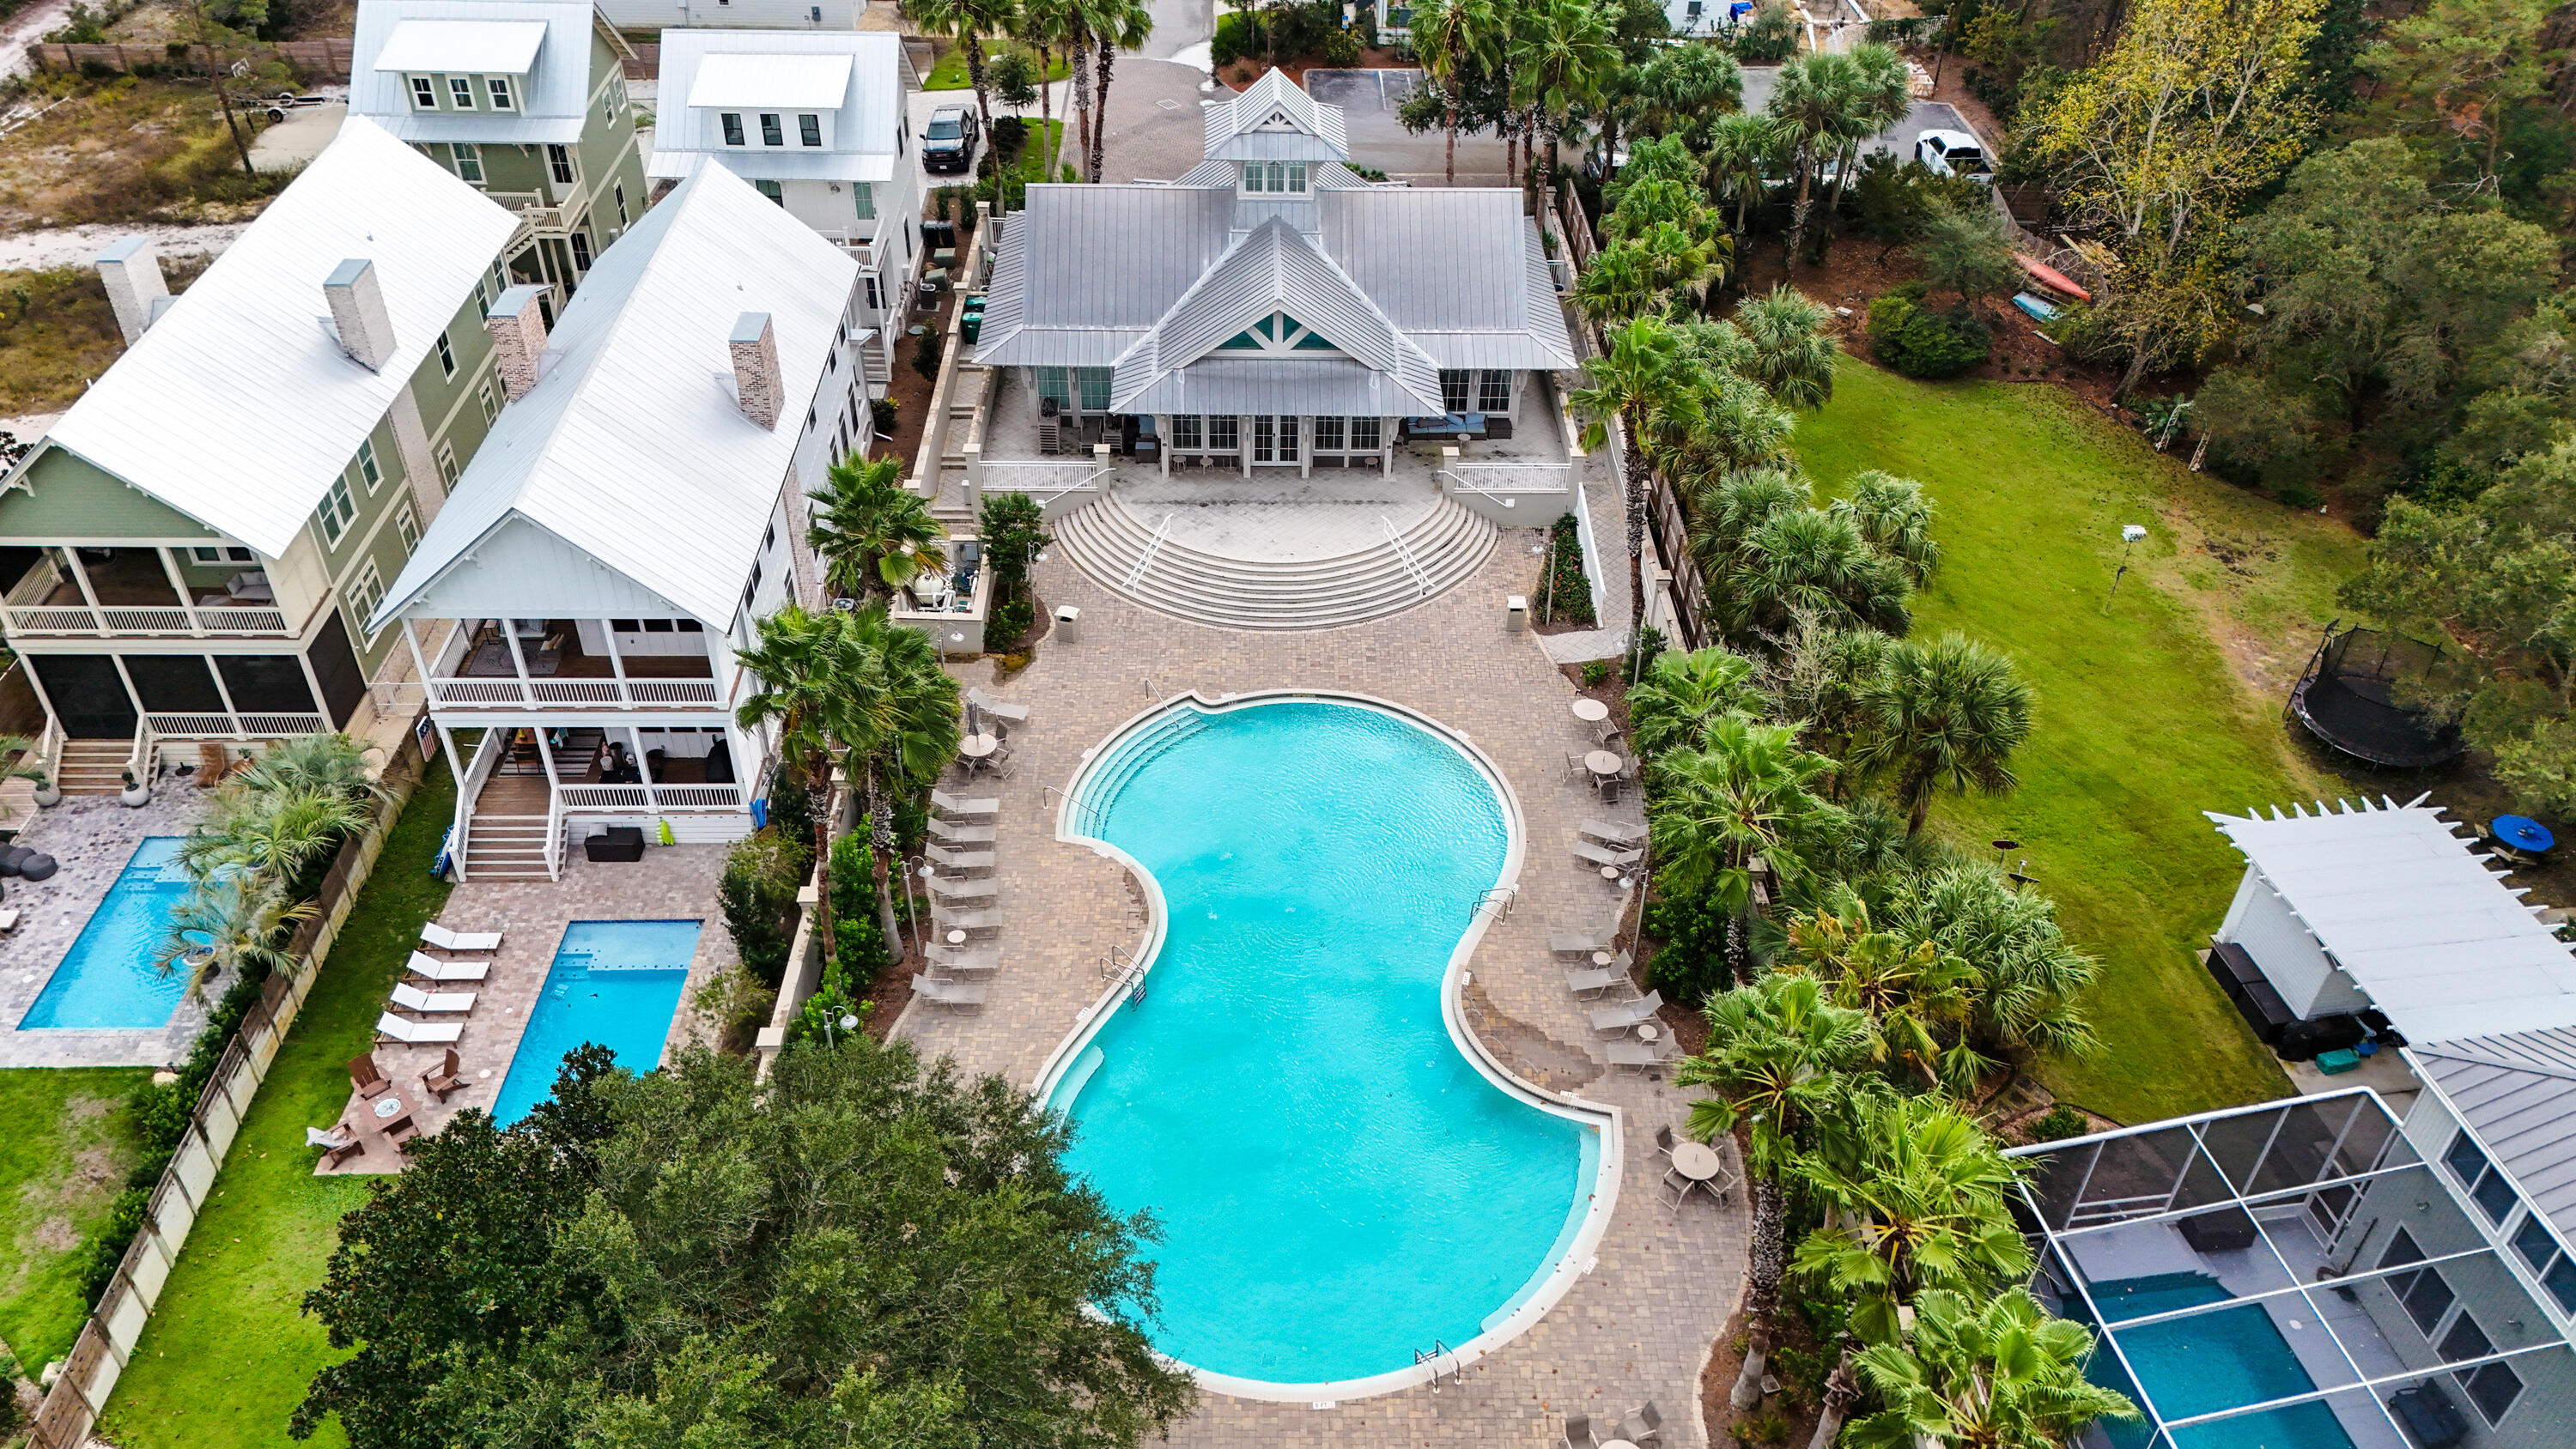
x=2130 y=533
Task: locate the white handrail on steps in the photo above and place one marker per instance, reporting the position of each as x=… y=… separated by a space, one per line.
x=1421 y=580
x=1153 y=546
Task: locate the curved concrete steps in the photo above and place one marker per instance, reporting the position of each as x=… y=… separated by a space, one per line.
x=1447 y=544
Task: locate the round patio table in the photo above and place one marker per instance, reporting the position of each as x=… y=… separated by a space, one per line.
x=1603 y=763
x=2522 y=832
x=1601 y=958
x=957 y=938
x=976 y=746
x=1696 y=1160
x=1591 y=711
x=1647 y=1031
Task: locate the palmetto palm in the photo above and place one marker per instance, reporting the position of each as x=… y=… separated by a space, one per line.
x=1820 y=102
x=1730 y=506
x=873 y=535
x=1792 y=352
x=271 y=835
x=1807 y=559
x=1618 y=285
x=1739 y=146
x=1559 y=55
x=1917 y=997
x=1895 y=517
x=233 y=922
x=334 y=763
x=1684 y=89
x=1116 y=25
x=1448 y=35
x=1043 y=25
x=898 y=726
x=1882 y=96
x=1641 y=381
x=1946 y=715
x=2029 y=978
x=1682 y=694
x=1643 y=204
x=1750 y=790
x=1983 y=1373
x=1915 y=1198
x=809 y=667
x=967 y=22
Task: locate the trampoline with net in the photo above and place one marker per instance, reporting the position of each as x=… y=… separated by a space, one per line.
x=2349 y=699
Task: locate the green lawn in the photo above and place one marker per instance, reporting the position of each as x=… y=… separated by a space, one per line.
x=2142 y=722
x=950 y=73
x=227 y=1355
x=66 y=1144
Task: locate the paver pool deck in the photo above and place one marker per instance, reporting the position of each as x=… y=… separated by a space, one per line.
x=91 y=837
x=1640 y=1324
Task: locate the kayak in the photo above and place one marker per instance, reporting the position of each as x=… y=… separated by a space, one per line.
x=2051 y=278
x=2037 y=309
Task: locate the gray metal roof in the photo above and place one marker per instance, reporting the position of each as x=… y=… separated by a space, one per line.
x=1460 y=269
x=1275 y=120
x=1083 y=260
x=866 y=114
x=1327 y=387
x=2517 y=1091
x=554 y=93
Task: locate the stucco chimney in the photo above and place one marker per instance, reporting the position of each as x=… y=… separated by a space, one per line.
x=518 y=328
x=756 y=383
x=358 y=315
x=131 y=268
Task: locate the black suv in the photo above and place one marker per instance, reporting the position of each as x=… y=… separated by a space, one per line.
x=949 y=143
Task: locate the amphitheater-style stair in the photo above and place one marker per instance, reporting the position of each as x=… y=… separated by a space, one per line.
x=1441 y=549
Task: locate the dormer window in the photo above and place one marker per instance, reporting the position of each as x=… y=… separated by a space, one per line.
x=732 y=122
x=498 y=87
x=770 y=134
x=809 y=129
x=424 y=93
x=1274 y=176
x=460 y=89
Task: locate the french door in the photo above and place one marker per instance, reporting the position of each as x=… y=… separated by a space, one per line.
x=1274 y=438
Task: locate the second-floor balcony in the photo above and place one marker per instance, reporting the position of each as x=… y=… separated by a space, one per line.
x=143 y=590
x=571 y=664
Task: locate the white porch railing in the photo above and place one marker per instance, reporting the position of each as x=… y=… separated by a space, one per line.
x=647 y=799
x=234 y=727
x=504 y=691
x=487 y=757
x=218 y=621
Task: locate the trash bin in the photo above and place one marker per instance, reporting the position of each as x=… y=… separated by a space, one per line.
x=1516 y=613
x=1068 y=625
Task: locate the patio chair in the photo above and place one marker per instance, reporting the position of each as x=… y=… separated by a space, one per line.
x=412 y=998
x=1575 y=766
x=338 y=1145
x=997 y=708
x=964 y=890
x=1612 y=832
x=1664 y=1139
x=1637 y=1056
x=402 y=1132
x=1586 y=980
x=364 y=1076
x=390 y=1027
x=953 y=960
x=965 y=920
x=1583 y=943
x=425 y=965
x=950 y=805
x=447 y=940
x=442 y=1080
x=1578 y=1432
x=1603 y=855
x=1609 y=787
x=956 y=834
x=955 y=995
x=959 y=859
x=1644 y=1424
x=1618 y=1019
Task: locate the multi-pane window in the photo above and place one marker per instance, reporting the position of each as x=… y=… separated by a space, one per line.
x=1225 y=433
x=498 y=88
x=559 y=164
x=809 y=129
x=406 y=522
x=424 y=93
x=2424 y=1292
x=469 y=161
x=460 y=89
x=491 y=408
x=367 y=468
x=1365 y=433
x=770 y=134
x=223 y=553
x=2487 y=1186
x=1328 y=435
x=870 y=280
x=366 y=591
x=1094 y=382
x=2492 y=1387
x=1493 y=391
x=2549 y=1262
x=337 y=512
x=864 y=196
x=1453 y=388
x=772 y=190
x=446 y=356
x=732 y=123
x=1188 y=434
x=1274 y=176
x=446 y=468
x=580 y=251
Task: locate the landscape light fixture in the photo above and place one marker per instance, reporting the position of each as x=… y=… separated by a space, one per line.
x=2130 y=533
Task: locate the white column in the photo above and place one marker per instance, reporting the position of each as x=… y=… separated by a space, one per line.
x=510 y=635
x=545 y=755
x=455 y=766
x=428 y=694
x=179 y=586
x=616 y=661
x=214 y=667
x=1304 y=432
x=643 y=771
x=80 y=579
x=1243 y=427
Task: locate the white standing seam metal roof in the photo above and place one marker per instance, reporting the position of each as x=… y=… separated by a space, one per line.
x=805 y=82
x=553 y=96
x=463 y=47
x=238 y=408
x=2412 y=914
x=2517 y=1092
x=757 y=69
x=632 y=446
x=1274 y=119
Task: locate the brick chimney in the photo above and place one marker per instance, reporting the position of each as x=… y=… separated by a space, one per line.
x=358 y=315
x=756 y=383
x=131 y=268
x=518 y=328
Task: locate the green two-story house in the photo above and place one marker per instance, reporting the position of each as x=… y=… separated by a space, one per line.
x=193 y=550
x=523 y=99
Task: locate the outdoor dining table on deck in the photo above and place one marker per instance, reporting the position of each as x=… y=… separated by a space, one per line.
x=1697 y=1161
x=1590 y=711
x=977 y=747
x=1605 y=765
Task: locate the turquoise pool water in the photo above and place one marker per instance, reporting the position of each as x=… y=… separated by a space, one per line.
x=107 y=981
x=616 y=983
x=2203 y=1364
x=1336 y=1185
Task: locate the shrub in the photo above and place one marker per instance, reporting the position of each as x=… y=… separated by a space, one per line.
x=881 y=412
x=1690 y=965
x=2061 y=1123
x=1596 y=671
x=1341 y=49
x=858 y=933
x=1564 y=592
x=1012 y=619
x=2298 y=495
x=1010 y=133
x=925 y=354
x=757 y=893
x=733 y=1005
x=1770 y=37
x=1227 y=46
x=107 y=1246
x=1919 y=342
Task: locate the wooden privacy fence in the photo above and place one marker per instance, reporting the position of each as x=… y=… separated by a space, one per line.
x=107 y=1341
x=315 y=60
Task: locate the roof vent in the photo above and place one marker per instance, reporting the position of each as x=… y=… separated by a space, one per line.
x=359 y=321
x=756 y=384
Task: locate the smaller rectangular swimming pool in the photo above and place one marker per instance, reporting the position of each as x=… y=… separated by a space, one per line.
x=107 y=981
x=2207 y=1364
x=616 y=983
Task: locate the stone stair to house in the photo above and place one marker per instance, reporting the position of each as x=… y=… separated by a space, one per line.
x=506 y=847
x=93 y=767
x=1446 y=544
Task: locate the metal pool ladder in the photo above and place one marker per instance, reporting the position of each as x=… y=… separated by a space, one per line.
x=1439 y=1350
x=1127 y=971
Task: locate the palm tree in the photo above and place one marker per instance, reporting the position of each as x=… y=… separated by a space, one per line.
x=1820 y=103
x=1115 y=25
x=1992 y=1373
x=809 y=667
x=1682 y=694
x=1916 y=1198
x=1792 y=352
x=1945 y=715
x=1560 y=56
x=1638 y=380
x=1821 y=676
x=1883 y=96
x=900 y=728
x=1749 y=791
x=1739 y=146
x=1618 y=285
x=1684 y=89
x=1811 y=559
x=873 y=535
x=1449 y=35
x=1643 y=204
x=967 y=22
x=1779 y=1055
x=2029 y=978
x=1917 y=997
x=330 y=762
x=1042 y=25
x=1895 y=517
x=1741 y=427
x=271 y=835
x=233 y=923
x=1725 y=512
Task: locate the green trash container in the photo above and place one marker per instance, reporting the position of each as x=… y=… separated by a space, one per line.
x=2336 y=1063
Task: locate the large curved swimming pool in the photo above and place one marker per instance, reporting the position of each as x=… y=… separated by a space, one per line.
x=1338 y=1186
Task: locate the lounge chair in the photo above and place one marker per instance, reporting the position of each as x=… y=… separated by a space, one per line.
x=963 y=890
x=965 y=920
x=1583 y=943
x=956 y=834
x=402 y=1132
x=948 y=805
x=1613 y=832
x=1602 y=855
x=441 y=1080
x=424 y=964
x=1628 y=1013
x=960 y=859
x=338 y=1145
x=949 y=958
x=1578 y=1432
x=998 y=709
x=390 y=1027
x=1637 y=1056
x=1645 y=1424
x=1583 y=981
x=412 y=998
x=364 y=1076
x=447 y=940
x=955 y=995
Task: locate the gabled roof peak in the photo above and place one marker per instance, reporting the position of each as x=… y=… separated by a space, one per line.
x=1274 y=120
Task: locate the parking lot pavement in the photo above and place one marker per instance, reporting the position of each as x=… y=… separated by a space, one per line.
x=1369 y=99
x=1899 y=138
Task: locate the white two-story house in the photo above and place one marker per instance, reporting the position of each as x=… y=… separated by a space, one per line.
x=815 y=122
x=577 y=608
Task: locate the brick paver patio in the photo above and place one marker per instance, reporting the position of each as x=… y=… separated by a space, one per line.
x=1640 y=1324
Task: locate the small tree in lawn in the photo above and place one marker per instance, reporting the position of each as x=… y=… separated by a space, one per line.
x=1945 y=716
